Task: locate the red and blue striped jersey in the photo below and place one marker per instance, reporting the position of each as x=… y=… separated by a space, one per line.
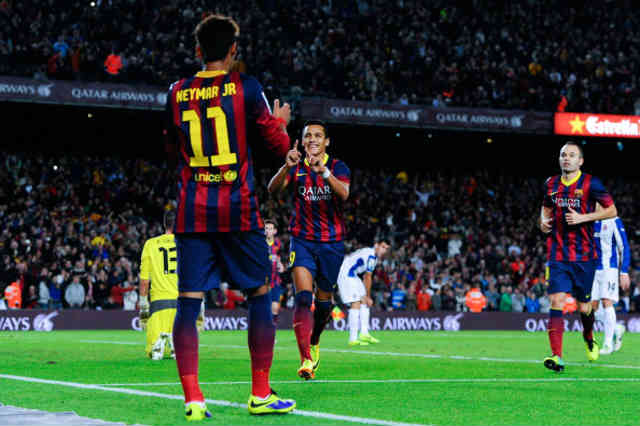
x=274 y=256
x=318 y=212
x=573 y=243
x=214 y=120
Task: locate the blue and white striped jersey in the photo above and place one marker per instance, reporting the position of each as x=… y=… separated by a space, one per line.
x=360 y=261
x=612 y=245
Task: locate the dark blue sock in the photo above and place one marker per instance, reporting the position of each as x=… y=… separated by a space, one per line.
x=320 y=319
x=185 y=342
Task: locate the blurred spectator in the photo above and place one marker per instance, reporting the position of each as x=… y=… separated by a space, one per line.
x=545 y=304
x=231 y=297
x=424 y=299
x=13 y=296
x=517 y=300
x=506 y=302
x=75 y=293
x=43 y=289
x=398 y=297
x=475 y=300
x=532 y=304
x=31 y=301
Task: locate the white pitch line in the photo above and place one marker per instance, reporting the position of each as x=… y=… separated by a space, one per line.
x=485 y=380
x=316 y=414
x=413 y=355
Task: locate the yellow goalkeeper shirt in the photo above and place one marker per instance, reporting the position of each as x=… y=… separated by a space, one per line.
x=158 y=264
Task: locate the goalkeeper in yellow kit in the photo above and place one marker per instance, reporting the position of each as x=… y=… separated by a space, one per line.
x=158 y=304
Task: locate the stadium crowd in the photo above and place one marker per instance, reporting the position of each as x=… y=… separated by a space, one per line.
x=73 y=229
x=522 y=54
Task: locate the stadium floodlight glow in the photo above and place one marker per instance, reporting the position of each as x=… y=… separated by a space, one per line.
x=92 y=4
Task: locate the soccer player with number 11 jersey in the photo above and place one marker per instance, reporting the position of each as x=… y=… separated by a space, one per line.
x=215 y=120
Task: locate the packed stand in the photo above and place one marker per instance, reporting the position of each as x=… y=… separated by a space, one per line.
x=533 y=55
x=73 y=230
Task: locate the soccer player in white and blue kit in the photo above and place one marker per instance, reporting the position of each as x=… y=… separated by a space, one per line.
x=614 y=258
x=356 y=292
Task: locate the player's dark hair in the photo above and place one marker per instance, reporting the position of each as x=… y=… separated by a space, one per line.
x=317 y=123
x=272 y=222
x=385 y=241
x=215 y=35
x=576 y=144
x=169 y=219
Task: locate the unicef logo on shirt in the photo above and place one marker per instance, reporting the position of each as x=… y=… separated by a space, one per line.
x=43 y=322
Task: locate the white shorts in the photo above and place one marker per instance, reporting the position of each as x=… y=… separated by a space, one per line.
x=605 y=284
x=351 y=289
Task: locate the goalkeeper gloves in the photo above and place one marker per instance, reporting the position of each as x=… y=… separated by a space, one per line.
x=144 y=311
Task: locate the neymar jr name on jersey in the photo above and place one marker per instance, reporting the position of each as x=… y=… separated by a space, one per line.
x=204 y=93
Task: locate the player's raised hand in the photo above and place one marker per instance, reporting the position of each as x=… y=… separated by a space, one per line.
x=293 y=156
x=625 y=282
x=573 y=217
x=283 y=112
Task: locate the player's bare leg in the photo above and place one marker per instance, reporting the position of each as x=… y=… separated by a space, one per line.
x=556 y=330
x=303 y=319
x=185 y=341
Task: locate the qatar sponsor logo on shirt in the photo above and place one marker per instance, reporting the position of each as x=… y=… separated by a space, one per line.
x=574 y=203
x=316 y=193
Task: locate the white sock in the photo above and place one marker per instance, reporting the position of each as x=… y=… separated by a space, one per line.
x=599 y=315
x=364 y=319
x=609 y=325
x=354 y=323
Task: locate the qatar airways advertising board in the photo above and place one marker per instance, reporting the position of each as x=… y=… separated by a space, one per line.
x=597 y=125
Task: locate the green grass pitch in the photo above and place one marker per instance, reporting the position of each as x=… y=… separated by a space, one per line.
x=441 y=378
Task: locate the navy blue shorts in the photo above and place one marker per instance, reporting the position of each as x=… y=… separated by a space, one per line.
x=206 y=259
x=572 y=277
x=276 y=293
x=323 y=260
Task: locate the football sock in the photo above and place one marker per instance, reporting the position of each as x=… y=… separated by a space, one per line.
x=275 y=319
x=609 y=324
x=185 y=341
x=321 y=317
x=556 y=328
x=600 y=315
x=302 y=322
x=587 y=324
x=364 y=319
x=262 y=333
x=354 y=323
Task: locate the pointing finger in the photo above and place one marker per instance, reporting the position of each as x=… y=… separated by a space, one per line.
x=276 y=104
x=295 y=145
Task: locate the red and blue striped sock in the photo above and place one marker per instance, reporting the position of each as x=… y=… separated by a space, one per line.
x=262 y=333
x=556 y=329
x=185 y=342
x=303 y=322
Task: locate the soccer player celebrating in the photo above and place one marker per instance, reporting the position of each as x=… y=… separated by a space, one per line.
x=356 y=292
x=567 y=215
x=270 y=230
x=614 y=259
x=321 y=186
x=215 y=117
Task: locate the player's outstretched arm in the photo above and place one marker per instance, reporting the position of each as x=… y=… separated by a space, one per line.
x=281 y=179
